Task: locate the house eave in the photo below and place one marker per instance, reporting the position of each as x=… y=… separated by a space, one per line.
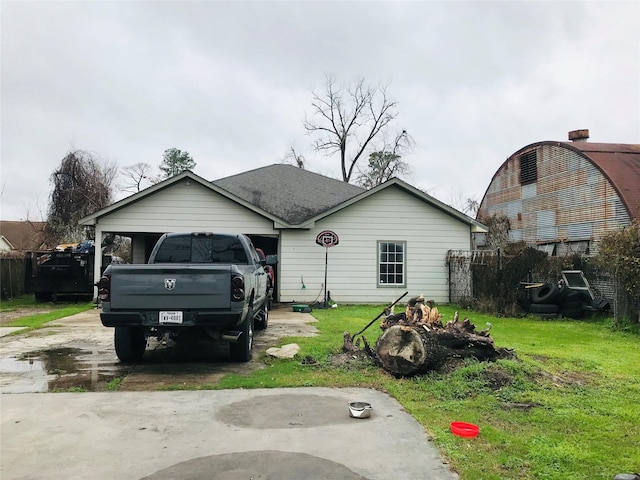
x=187 y=175
x=474 y=224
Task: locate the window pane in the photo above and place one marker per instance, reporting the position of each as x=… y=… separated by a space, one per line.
x=201 y=250
x=391 y=263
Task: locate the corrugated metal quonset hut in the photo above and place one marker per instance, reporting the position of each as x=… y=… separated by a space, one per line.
x=564 y=196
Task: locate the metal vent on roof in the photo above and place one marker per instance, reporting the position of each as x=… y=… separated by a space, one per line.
x=529 y=167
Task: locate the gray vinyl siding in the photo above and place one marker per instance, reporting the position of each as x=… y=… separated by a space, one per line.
x=182 y=207
x=352 y=277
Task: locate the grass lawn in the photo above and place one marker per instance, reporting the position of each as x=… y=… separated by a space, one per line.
x=566 y=408
x=37 y=319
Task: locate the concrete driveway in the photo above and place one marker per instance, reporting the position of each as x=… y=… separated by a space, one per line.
x=303 y=433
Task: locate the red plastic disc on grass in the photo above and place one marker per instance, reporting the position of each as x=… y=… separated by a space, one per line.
x=463 y=429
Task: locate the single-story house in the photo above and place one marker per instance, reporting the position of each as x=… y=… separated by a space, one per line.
x=391 y=239
x=22 y=236
x=562 y=197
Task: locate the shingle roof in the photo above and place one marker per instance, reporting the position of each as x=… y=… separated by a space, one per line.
x=288 y=192
x=24 y=236
x=620 y=164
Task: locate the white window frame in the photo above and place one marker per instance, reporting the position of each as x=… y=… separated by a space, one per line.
x=387 y=259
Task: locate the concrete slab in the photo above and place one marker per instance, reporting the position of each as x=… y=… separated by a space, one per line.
x=7 y=330
x=282 y=434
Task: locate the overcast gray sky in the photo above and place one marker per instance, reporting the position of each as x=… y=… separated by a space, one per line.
x=231 y=83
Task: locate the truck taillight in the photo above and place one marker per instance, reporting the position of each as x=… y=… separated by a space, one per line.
x=237 y=288
x=104 y=288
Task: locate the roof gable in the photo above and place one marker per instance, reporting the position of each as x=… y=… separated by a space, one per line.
x=186 y=176
x=419 y=194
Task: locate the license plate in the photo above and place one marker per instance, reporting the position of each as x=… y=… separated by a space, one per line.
x=170 y=317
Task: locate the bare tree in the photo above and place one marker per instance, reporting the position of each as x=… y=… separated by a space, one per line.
x=499 y=226
x=467 y=205
x=294 y=158
x=471 y=206
x=81 y=185
x=347 y=119
x=386 y=163
x=137 y=177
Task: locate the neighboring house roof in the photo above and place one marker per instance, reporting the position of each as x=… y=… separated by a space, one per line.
x=289 y=192
x=620 y=164
x=288 y=195
x=24 y=236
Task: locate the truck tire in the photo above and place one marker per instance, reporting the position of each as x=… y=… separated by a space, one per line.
x=130 y=344
x=543 y=308
x=571 y=309
x=262 y=319
x=242 y=350
x=545 y=294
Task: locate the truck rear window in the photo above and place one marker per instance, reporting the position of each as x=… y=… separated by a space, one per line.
x=204 y=249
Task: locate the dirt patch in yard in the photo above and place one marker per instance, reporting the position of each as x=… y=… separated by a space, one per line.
x=9 y=316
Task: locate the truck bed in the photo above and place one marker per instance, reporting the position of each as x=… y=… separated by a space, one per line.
x=155 y=287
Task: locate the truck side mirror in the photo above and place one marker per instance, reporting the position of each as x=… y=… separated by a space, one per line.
x=272 y=259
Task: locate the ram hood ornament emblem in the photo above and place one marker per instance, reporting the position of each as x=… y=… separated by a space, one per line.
x=169 y=283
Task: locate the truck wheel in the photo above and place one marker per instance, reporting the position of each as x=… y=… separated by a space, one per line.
x=262 y=320
x=130 y=344
x=242 y=350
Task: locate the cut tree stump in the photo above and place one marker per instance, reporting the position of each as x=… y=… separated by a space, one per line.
x=416 y=341
x=408 y=350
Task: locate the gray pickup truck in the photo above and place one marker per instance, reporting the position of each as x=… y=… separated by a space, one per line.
x=195 y=285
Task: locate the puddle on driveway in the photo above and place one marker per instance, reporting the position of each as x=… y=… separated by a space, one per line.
x=58 y=369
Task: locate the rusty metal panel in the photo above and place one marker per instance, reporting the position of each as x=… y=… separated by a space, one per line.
x=529 y=191
x=515 y=235
x=579 y=231
x=546 y=225
x=571 y=199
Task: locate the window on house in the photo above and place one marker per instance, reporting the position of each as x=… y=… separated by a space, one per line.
x=581 y=247
x=391 y=263
x=548 y=248
x=528 y=167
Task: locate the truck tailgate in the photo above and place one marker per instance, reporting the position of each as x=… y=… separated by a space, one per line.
x=170 y=287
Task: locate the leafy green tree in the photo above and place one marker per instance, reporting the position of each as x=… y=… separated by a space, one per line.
x=382 y=167
x=619 y=254
x=387 y=163
x=176 y=161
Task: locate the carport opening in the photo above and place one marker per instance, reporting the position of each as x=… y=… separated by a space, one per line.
x=269 y=246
